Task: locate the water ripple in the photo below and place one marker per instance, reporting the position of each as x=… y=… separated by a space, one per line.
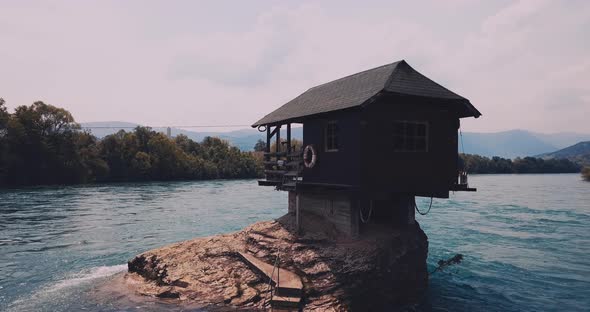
x=526 y=245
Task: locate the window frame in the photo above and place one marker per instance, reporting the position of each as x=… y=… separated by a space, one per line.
x=334 y=135
x=414 y=137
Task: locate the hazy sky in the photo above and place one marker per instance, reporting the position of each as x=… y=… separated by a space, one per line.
x=523 y=64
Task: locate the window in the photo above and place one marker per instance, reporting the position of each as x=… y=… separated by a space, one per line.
x=410 y=136
x=332 y=136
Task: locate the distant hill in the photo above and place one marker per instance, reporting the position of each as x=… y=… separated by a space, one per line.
x=518 y=143
x=562 y=139
x=507 y=144
x=579 y=153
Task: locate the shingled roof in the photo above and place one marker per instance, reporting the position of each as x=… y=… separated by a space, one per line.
x=355 y=90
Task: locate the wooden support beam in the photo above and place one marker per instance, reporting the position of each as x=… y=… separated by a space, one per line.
x=288 y=140
x=298 y=214
x=411 y=210
x=268 y=136
x=274 y=131
x=278 y=144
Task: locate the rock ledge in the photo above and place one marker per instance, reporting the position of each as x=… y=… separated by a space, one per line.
x=382 y=269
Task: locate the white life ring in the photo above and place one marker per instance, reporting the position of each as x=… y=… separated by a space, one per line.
x=309 y=163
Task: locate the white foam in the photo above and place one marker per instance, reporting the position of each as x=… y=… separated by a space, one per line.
x=87 y=276
x=61 y=290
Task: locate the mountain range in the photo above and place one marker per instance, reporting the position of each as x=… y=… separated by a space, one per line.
x=507 y=144
x=578 y=153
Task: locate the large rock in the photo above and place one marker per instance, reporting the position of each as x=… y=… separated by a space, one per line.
x=382 y=269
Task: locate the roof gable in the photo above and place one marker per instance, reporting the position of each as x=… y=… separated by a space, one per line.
x=356 y=89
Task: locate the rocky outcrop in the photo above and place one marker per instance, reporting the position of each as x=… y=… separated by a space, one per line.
x=382 y=269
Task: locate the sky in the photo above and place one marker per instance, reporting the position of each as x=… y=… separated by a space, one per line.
x=523 y=64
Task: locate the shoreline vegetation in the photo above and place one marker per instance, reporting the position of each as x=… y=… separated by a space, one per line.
x=41 y=144
x=482 y=165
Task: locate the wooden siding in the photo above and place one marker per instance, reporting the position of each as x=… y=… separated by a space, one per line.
x=336 y=209
x=338 y=167
x=383 y=170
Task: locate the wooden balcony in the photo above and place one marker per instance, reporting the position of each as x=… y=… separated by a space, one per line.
x=282 y=170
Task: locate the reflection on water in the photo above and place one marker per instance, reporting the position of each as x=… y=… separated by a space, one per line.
x=524 y=238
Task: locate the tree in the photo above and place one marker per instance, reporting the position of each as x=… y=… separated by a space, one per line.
x=4 y=117
x=42 y=144
x=260 y=146
x=480 y=164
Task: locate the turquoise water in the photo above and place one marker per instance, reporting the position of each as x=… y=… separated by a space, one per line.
x=524 y=238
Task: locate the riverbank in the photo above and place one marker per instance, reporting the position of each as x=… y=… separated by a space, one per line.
x=380 y=270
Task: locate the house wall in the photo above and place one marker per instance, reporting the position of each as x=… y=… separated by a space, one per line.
x=337 y=210
x=338 y=167
x=384 y=171
x=366 y=158
x=340 y=212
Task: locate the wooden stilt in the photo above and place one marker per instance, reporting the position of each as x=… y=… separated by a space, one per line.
x=298 y=214
x=411 y=210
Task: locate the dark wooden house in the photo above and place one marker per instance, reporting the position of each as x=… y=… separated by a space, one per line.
x=373 y=141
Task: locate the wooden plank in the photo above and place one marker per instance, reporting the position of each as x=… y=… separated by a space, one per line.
x=281 y=172
x=462 y=188
x=298 y=213
x=268 y=183
x=281 y=154
x=284 y=278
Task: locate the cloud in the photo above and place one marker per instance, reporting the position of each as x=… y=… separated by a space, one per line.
x=524 y=64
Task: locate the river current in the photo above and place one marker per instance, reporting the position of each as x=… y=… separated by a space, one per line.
x=525 y=240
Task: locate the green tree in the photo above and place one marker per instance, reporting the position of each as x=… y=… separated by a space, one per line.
x=141 y=166
x=4 y=118
x=260 y=146
x=42 y=144
x=480 y=164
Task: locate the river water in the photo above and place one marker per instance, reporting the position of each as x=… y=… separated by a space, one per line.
x=525 y=240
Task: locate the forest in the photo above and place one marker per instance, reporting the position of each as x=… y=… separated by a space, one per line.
x=481 y=164
x=42 y=144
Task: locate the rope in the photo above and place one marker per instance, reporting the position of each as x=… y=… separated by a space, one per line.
x=157 y=127
x=363 y=219
x=418 y=210
x=270 y=287
x=461 y=136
